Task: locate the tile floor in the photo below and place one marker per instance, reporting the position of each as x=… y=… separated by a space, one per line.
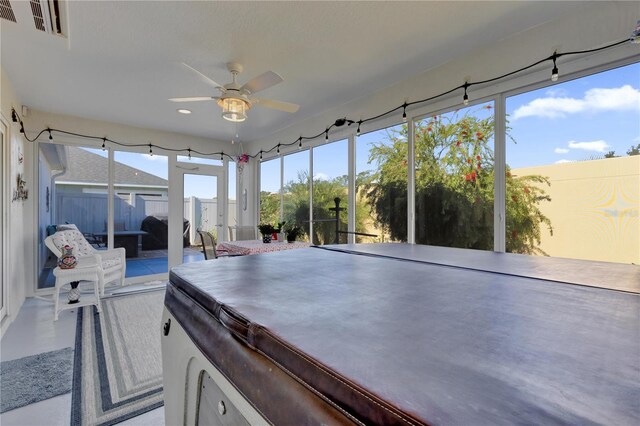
x=34 y=331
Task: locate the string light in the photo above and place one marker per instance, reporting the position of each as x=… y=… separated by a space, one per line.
x=278 y=150
x=104 y=141
x=50 y=137
x=404 y=112
x=189 y=153
x=554 y=71
x=341 y=121
x=465 y=98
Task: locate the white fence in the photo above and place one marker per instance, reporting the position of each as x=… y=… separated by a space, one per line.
x=89 y=212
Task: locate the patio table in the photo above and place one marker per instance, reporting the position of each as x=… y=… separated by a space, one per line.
x=257 y=246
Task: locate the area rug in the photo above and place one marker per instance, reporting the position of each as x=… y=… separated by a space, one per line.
x=118 y=364
x=35 y=378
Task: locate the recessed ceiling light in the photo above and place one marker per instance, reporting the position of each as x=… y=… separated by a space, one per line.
x=184 y=111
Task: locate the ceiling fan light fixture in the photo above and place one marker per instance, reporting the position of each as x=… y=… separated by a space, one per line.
x=234 y=109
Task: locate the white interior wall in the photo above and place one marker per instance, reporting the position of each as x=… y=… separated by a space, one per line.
x=20 y=233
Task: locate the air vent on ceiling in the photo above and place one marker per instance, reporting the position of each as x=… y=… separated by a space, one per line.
x=6 y=11
x=46 y=16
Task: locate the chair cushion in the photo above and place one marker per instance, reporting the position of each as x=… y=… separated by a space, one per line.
x=75 y=239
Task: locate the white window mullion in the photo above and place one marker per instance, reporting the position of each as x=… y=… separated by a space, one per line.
x=351 y=191
x=499 y=222
x=411 y=183
x=311 y=195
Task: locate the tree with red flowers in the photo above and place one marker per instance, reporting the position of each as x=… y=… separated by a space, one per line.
x=454 y=186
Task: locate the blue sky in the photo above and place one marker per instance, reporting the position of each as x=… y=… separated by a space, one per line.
x=568 y=121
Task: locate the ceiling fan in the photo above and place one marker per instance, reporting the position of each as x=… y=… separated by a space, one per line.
x=236 y=100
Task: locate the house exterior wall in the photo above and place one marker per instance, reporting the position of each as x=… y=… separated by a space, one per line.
x=594 y=209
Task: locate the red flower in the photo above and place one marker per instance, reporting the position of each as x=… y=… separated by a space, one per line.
x=428 y=129
x=479 y=167
x=479 y=135
x=478 y=158
x=467 y=177
x=458 y=143
x=488 y=107
x=473 y=175
x=469 y=160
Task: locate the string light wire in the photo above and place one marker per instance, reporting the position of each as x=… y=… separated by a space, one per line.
x=339 y=122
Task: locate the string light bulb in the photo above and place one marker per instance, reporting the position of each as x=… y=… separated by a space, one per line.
x=404 y=112
x=554 y=71
x=50 y=137
x=189 y=153
x=326 y=135
x=358 y=131
x=222 y=156
x=465 y=98
x=278 y=149
x=300 y=142
x=150 y=151
x=260 y=155
x=104 y=141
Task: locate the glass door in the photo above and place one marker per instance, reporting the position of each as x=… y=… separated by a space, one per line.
x=205 y=204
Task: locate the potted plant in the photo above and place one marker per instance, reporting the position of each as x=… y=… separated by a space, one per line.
x=267 y=230
x=278 y=233
x=294 y=232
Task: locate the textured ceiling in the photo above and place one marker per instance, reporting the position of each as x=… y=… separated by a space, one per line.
x=121 y=61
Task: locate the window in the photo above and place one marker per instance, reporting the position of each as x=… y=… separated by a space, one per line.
x=381 y=185
x=454 y=178
x=330 y=181
x=573 y=173
x=296 y=191
x=140 y=221
x=73 y=190
x=270 y=191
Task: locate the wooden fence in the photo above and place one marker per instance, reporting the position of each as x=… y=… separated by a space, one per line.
x=89 y=212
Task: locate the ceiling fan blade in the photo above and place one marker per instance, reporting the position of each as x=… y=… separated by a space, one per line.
x=279 y=105
x=204 y=78
x=194 y=99
x=261 y=82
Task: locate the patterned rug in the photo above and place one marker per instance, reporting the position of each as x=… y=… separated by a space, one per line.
x=118 y=364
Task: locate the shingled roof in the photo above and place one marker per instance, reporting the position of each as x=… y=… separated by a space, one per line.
x=87 y=167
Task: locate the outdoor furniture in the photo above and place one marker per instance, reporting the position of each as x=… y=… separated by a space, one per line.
x=85 y=270
x=110 y=265
x=248 y=247
x=242 y=232
x=209 y=247
x=129 y=240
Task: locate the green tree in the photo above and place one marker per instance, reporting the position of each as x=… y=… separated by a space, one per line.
x=454 y=187
x=269 y=207
x=634 y=150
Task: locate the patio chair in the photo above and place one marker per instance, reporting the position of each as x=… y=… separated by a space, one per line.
x=209 y=247
x=242 y=233
x=110 y=264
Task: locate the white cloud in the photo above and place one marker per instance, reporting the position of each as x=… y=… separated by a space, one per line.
x=597 y=99
x=154 y=157
x=564 y=161
x=321 y=176
x=556 y=92
x=561 y=150
x=598 y=146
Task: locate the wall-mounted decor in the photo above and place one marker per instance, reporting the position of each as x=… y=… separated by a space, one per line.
x=21 y=192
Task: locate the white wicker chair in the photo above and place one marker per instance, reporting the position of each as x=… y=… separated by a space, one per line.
x=110 y=264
